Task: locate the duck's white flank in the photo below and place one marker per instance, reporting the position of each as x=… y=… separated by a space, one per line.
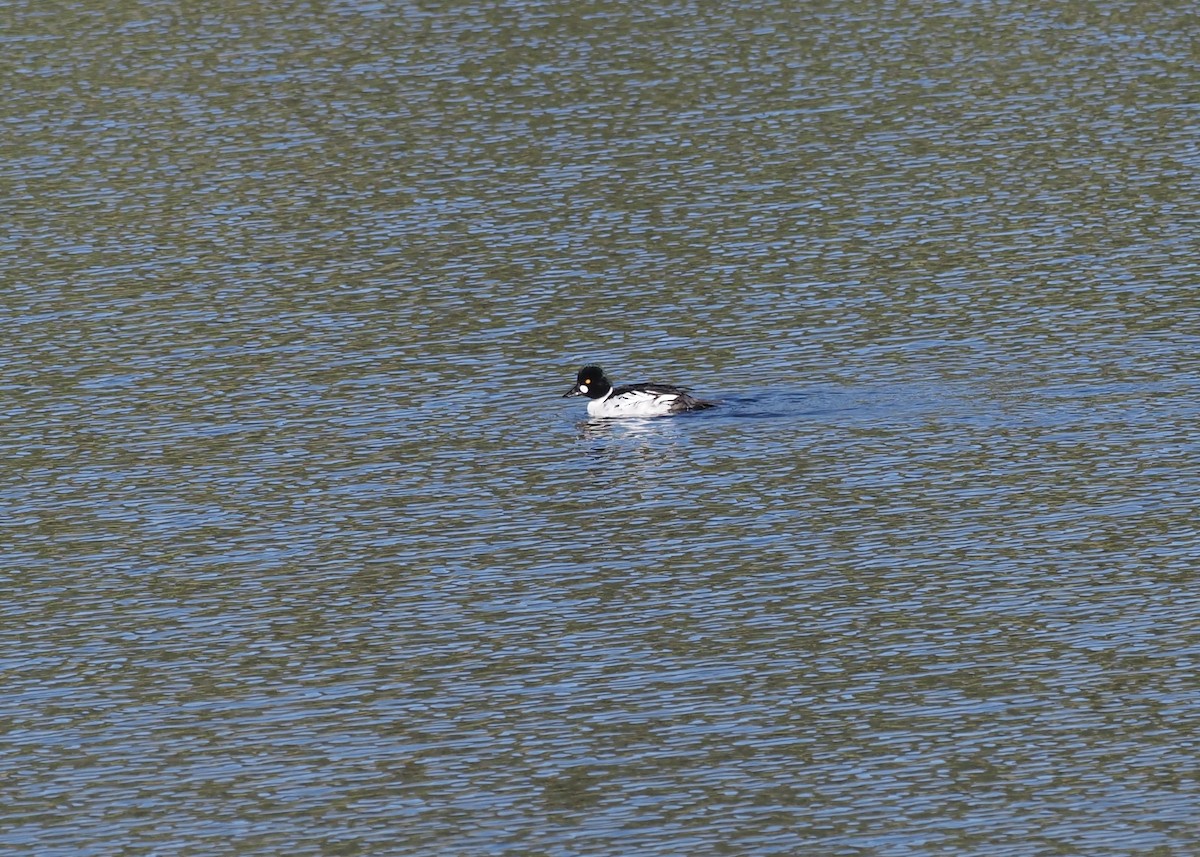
x=635 y=403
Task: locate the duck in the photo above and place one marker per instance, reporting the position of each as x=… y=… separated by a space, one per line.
x=633 y=400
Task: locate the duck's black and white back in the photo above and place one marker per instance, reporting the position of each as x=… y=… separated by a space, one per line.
x=633 y=400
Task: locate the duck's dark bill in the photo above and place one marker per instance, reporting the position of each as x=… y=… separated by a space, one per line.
x=574 y=391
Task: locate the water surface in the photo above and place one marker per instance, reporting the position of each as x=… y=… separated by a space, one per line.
x=303 y=552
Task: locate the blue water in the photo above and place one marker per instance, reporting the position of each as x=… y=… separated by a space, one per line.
x=304 y=553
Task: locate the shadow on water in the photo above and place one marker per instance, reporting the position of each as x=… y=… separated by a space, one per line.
x=783 y=404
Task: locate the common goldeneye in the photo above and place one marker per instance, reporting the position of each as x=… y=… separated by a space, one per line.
x=634 y=400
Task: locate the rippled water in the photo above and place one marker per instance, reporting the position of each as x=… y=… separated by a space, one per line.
x=303 y=552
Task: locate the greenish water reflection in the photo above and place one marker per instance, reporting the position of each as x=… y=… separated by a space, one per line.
x=304 y=554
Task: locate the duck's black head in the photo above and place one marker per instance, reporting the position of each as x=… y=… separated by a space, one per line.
x=589 y=382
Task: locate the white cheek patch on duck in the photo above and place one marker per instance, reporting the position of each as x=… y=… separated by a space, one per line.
x=583 y=388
